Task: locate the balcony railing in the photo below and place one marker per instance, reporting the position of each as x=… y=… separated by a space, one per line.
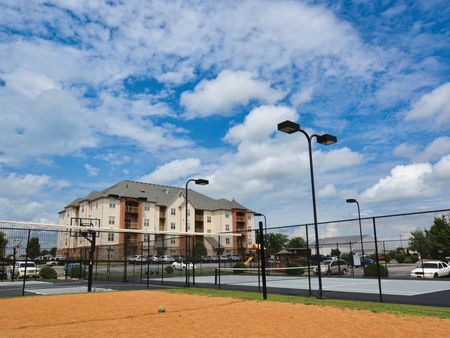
x=240 y=218
x=133 y=210
x=131 y=225
x=199 y=218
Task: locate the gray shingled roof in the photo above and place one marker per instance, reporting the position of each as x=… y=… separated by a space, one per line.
x=161 y=195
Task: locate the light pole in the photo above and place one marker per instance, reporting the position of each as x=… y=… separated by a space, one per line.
x=258 y=214
x=352 y=200
x=290 y=127
x=199 y=181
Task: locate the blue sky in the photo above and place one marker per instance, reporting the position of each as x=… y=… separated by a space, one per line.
x=94 y=92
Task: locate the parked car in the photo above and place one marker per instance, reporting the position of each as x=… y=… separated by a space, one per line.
x=19 y=270
x=332 y=267
x=182 y=266
x=223 y=258
x=235 y=258
x=167 y=259
x=68 y=267
x=432 y=269
x=51 y=263
x=155 y=259
x=213 y=259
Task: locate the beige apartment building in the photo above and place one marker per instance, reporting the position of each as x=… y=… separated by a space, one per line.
x=158 y=210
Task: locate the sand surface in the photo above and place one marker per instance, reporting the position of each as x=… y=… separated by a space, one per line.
x=135 y=314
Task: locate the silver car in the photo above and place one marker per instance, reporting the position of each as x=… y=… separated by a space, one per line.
x=332 y=267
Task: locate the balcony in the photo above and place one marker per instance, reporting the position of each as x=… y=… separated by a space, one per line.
x=240 y=218
x=132 y=210
x=199 y=218
x=131 y=225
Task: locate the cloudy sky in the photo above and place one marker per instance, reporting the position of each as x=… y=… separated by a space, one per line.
x=94 y=92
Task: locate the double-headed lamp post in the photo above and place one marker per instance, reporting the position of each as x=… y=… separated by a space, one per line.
x=352 y=200
x=199 y=181
x=290 y=127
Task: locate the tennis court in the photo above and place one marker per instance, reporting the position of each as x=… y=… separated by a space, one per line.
x=396 y=287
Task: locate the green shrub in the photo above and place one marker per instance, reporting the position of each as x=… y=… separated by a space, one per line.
x=48 y=273
x=371 y=270
x=239 y=265
x=76 y=272
x=400 y=257
x=299 y=271
x=169 y=269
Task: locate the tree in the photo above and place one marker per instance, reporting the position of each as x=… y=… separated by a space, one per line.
x=53 y=252
x=33 y=248
x=335 y=253
x=433 y=243
x=3 y=243
x=44 y=252
x=199 y=249
x=276 y=242
x=296 y=242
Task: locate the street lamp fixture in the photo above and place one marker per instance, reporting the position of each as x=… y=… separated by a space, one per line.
x=290 y=127
x=199 y=181
x=352 y=200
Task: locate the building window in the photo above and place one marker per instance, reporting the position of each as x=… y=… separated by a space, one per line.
x=172 y=241
x=227 y=227
x=189 y=226
x=249 y=228
x=189 y=212
x=208 y=231
x=112 y=220
x=146 y=238
x=146 y=222
x=67 y=214
x=227 y=240
x=249 y=216
x=172 y=225
x=96 y=205
x=227 y=215
x=172 y=211
x=112 y=203
x=110 y=236
x=82 y=208
x=208 y=219
x=146 y=207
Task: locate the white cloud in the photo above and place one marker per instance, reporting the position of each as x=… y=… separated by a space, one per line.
x=436 y=149
x=92 y=171
x=405 y=182
x=173 y=171
x=260 y=123
x=26 y=185
x=303 y=96
x=327 y=191
x=220 y=95
x=435 y=104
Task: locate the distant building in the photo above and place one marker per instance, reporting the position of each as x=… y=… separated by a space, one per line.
x=160 y=208
x=345 y=244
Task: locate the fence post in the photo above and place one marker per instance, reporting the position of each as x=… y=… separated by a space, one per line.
x=353 y=262
x=339 y=257
x=263 y=259
x=162 y=261
x=308 y=257
x=91 y=259
x=378 y=261
x=258 y=250
x=219 y=261
x=26 y=263
x=140 y=262
x=148 y=262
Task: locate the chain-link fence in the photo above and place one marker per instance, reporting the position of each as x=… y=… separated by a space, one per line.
x=396 y=258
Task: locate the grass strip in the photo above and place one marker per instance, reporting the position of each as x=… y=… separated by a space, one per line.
x=398 y=309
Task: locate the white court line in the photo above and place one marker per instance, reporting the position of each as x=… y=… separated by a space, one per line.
x=20 y=283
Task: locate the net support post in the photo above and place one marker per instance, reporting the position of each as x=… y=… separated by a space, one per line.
x=377 y=259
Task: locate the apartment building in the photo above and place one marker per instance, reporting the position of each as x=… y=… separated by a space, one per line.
x=158 y=209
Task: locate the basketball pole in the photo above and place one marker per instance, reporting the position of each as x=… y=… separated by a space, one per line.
x=91 y=259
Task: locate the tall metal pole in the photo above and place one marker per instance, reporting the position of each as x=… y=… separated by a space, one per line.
x=316 y=228
x=26 y=262
x=361 y=237
x=262 y=251
x=378 y=261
